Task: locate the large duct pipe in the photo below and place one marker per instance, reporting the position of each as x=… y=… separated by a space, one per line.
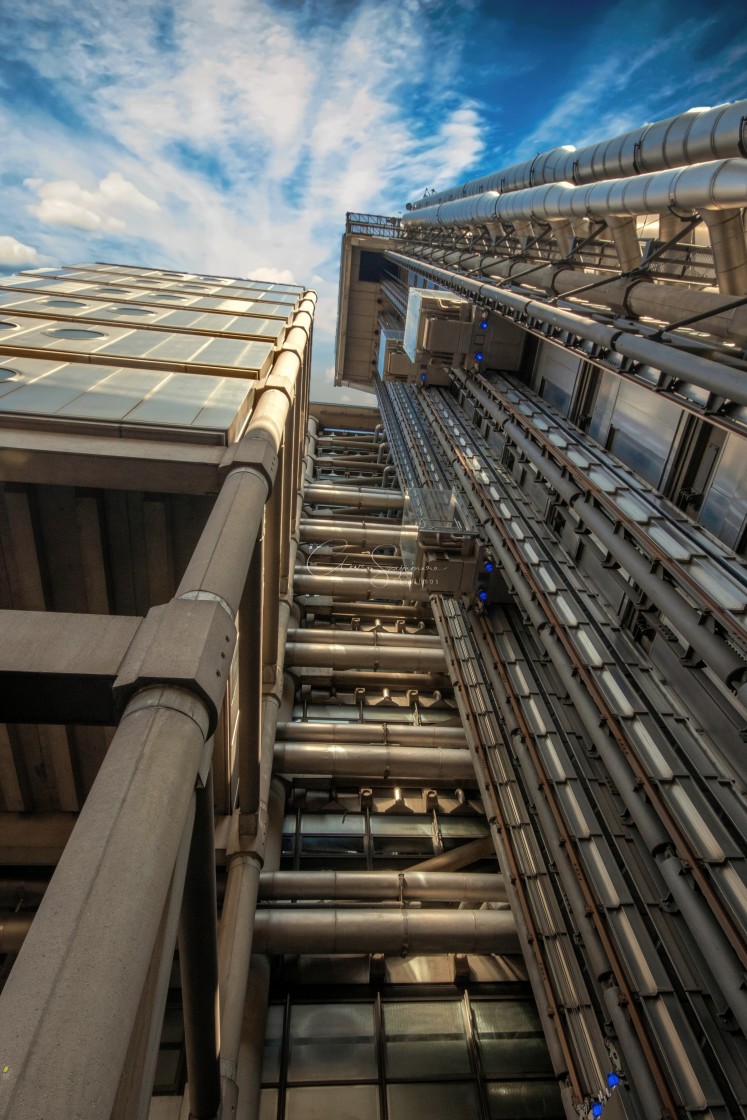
x=688 y=138
x=389 y=763
x=428 y=735
x=365 y=534
x=359 y=497
x=348 y=655
x=385 y=931
x=369 y=583
x=374 y=886
x=322 y=636
x=726 y=234
x=721 y=380
x=719 y=185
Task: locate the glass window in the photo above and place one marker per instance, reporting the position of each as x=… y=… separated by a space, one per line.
x=425 y=1040
x=323 y=1102
x=273 y=1043
x=64 y=303
x=510 y=1038
x=5 y=326
x=332 y=1042
x=526 y=1100
x=443 y=1101
x=268 y=1104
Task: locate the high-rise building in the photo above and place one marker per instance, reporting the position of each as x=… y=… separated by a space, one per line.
x=361 y=762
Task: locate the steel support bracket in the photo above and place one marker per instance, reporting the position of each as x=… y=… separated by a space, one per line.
x=187 y=643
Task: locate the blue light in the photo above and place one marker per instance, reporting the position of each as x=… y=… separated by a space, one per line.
x=596 y=1109
x=482 y=596
x=612 y=1080
x=488 y=566
x=484 y=325
x=478 y=356
x=423 y=376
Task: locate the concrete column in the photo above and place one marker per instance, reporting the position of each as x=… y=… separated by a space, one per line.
x=91 y=944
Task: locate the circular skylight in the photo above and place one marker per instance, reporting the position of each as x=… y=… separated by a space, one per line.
x=64 y=303
x=5 y=326
x=131 y=311
x=74 y=332
x=7 y=374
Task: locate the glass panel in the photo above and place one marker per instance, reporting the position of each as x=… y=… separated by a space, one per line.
x=462 y=826
x=510 y=1038
x=529 y=1100
x=332 y=845
x=425 y=1039
x=332 y=1042
x=404 y=846
x=325 y=824
x=399 y=826
x=167 y=1071
x=173 y=1028
x=273 y=1043
x=438 y=1102
x=333 y=1102
x=268 y=1104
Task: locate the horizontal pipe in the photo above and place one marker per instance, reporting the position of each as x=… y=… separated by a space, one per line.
x=718 y=185
x=383 y=886
x=348 y=655
x=429 y=735
x=358 y=497
x=384 y=931
x=370 y=582
x=687 y=138
x=721 y=380
x=331 y=636
x=389 y=763
x=319 y=531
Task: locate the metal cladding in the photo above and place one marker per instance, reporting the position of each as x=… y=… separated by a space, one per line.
x=697 y=136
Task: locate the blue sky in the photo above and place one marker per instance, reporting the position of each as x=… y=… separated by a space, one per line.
x=231 y=136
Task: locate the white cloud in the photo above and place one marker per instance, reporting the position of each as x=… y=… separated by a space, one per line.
x=66 y=202
x=272 y=275
x=15 y=253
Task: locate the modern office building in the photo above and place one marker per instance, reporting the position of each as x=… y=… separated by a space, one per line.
x=363 y=762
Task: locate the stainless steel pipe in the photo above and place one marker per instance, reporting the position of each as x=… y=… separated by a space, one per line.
x=385 y=931
x=371 y=886
x=428 y=735
x=389 y=763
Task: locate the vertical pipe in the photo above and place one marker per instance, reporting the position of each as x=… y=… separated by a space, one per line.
x=726 y=233
x=198 y=962
x=624 y=233
x=250 y=683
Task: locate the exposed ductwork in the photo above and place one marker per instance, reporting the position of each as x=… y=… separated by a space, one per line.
x=372 y=886
x=388 y=763
x=425 y=735
x=688 y=138
x=384 y=931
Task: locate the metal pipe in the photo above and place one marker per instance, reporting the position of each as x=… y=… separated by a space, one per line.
x=339 y=655
x=381 y=639
x=718 y=379
x=457 y=858
x=688 y=138
x=390 y=763
x=726 y=234
x=198 y=962
x=371 y=583
x=374 y=886
x=717 y=652
x=428 y=735
x=367 y=535
x=385 y=931
x=359 y=497
x=13 y=930
x=625 y=237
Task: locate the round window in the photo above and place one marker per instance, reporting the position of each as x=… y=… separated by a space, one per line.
x=7 y=374
x=64 y=303
x=131 y=311
x=74 y=332
x=5 y=326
